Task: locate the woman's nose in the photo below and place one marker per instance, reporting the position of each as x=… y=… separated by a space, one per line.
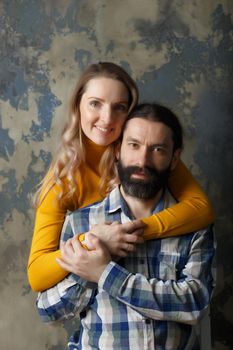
x=107 y=114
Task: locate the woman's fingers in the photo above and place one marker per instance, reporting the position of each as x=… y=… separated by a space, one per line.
x=128 y=247
x=132 y=226
x=133 y=238
x=120 y=239
x=96 y=226
x=138 y=232
x=122 y=254
x=114 y=223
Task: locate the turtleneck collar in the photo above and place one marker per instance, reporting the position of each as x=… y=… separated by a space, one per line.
x=93 y=151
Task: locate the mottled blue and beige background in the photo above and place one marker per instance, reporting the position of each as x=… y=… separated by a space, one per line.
x=181 y=54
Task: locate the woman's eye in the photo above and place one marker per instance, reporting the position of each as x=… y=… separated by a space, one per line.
x=121 y=108
x=94 y=103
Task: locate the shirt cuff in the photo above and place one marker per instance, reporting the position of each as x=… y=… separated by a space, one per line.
x=112 y=278
x=82 y=282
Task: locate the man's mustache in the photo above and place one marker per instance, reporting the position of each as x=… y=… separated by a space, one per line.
x=148 y=171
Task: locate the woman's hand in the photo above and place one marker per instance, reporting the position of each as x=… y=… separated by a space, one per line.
x=120 y=239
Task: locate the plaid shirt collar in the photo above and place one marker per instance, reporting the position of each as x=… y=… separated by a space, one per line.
x=116 y=202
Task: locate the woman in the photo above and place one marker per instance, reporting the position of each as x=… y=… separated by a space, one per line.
x=102 y=99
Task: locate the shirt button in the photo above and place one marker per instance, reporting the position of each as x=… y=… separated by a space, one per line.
x=142 y=261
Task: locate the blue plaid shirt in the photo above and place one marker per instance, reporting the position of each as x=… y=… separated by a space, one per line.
x=153 y=299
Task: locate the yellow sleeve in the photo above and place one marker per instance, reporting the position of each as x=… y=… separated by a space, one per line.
x=193 y=211
x=43 y=270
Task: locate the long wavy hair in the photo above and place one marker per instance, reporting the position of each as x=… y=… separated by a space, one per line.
x=71 y=152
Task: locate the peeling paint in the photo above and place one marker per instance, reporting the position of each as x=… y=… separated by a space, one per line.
x=179 y=52
x=6 y=145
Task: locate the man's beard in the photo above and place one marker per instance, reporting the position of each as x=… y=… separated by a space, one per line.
x=142 y=189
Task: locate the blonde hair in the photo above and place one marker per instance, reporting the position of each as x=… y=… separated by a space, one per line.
x=71 y=153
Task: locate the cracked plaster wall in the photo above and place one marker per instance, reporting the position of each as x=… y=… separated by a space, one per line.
x=180 y=53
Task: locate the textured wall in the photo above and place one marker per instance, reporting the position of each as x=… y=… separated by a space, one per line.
x=181 y=54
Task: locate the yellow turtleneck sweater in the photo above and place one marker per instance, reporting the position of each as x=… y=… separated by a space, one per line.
x=191 y=213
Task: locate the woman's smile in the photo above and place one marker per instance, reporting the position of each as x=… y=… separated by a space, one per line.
x=103 y=110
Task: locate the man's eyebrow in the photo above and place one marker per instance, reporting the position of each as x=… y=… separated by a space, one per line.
x=129 y=138
x=163 y=144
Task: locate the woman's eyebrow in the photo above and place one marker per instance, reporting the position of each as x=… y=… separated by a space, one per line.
x=102 y=100
x=96 y=98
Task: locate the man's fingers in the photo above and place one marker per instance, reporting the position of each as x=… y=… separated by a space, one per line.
x=76 y=245
x=64 y=265
x=95 y=242
x=67 y=247
x=69 y=251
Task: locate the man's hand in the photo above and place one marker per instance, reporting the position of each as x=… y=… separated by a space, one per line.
x=86 y=264
x=120 y=239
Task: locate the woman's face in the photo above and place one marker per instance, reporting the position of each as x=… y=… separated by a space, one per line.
x=104 y=109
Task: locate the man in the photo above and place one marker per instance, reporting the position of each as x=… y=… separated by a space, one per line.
x=153 y=298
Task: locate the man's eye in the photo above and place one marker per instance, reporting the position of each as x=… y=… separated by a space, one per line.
x=133 y=145
x=158 y=149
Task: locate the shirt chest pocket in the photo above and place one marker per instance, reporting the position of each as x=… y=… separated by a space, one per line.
x=169 y=265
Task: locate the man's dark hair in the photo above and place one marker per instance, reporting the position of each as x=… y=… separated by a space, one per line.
x=159 y=113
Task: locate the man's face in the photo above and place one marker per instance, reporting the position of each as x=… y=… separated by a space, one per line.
x=146 y=157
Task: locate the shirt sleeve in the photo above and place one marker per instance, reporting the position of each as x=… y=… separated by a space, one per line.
x=192 y=212
x=70 y=296
x=184 y=300
x=66 y=299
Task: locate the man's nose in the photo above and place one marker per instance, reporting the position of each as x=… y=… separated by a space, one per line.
x=143 y=158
